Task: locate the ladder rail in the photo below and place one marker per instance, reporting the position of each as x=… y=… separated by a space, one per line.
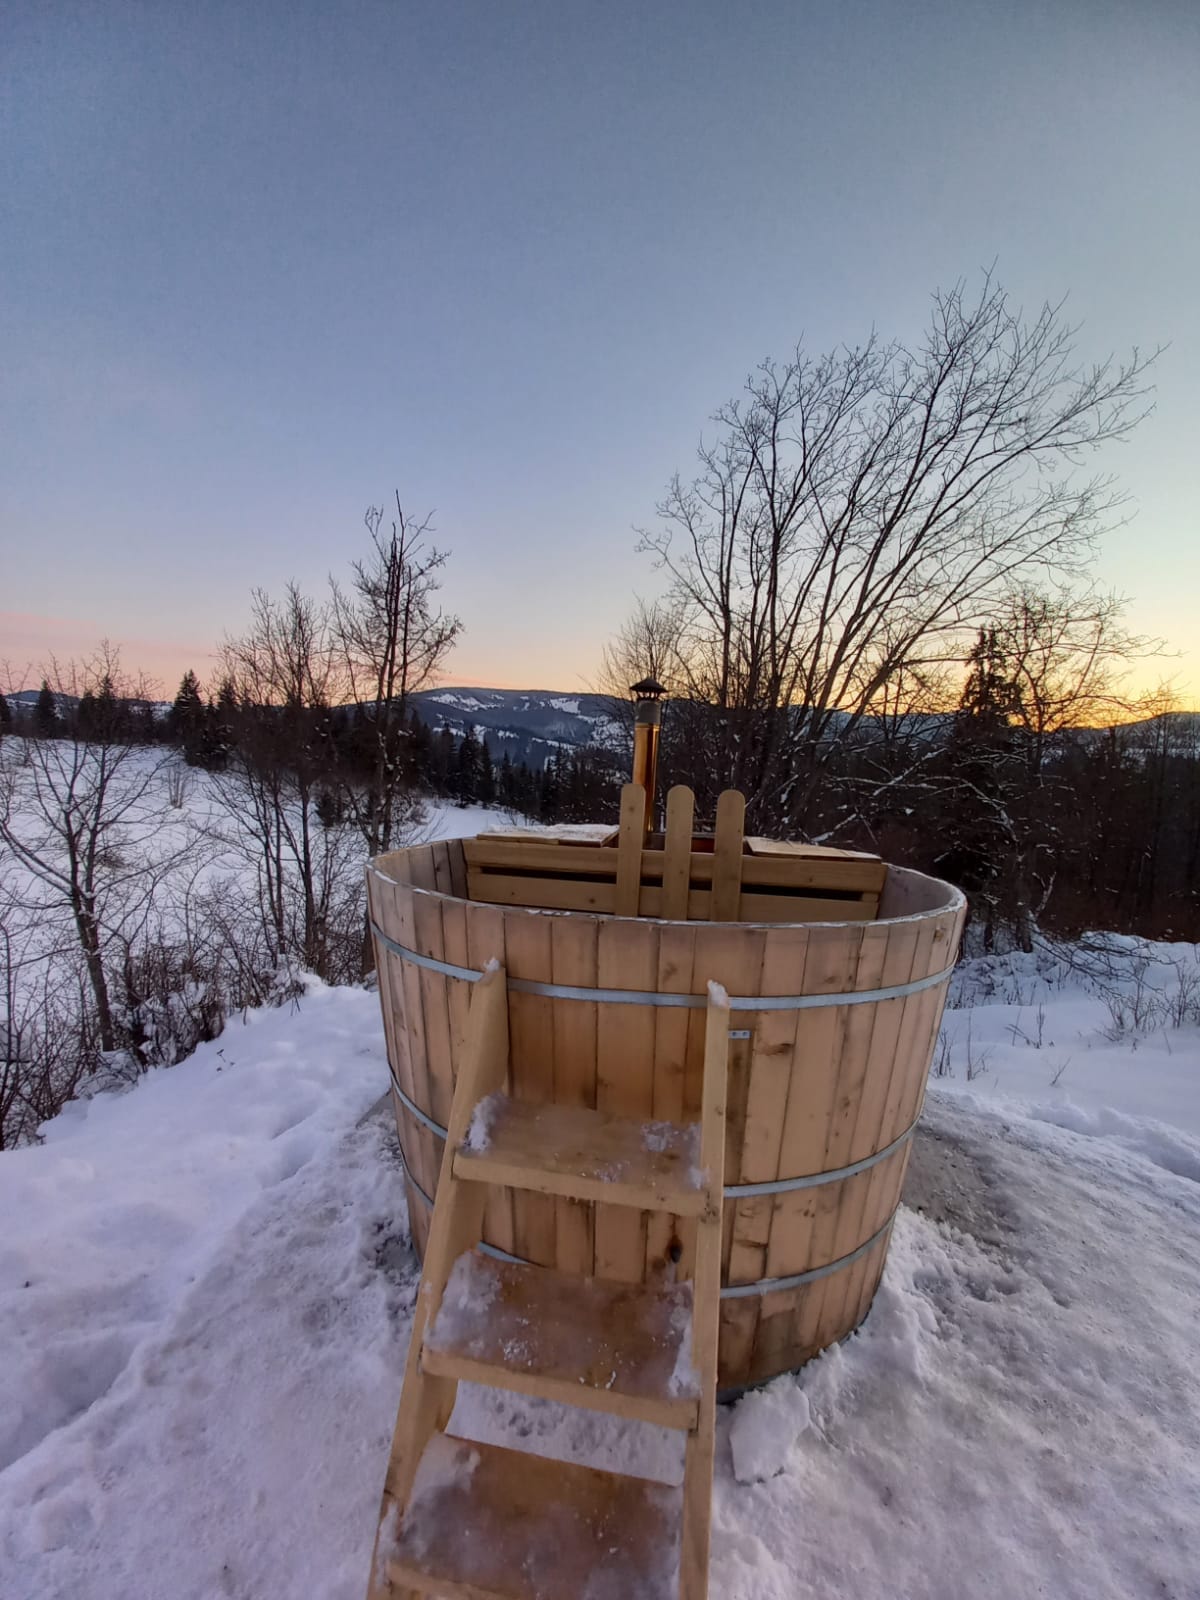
x=426 y=1401
x=428 y=1397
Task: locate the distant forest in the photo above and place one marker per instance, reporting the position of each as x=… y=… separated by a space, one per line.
x=1063 y=830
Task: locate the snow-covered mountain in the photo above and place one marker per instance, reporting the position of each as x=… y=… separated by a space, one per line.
x=530 y=724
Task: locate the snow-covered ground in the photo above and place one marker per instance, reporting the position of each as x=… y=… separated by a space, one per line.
x=206 y=1286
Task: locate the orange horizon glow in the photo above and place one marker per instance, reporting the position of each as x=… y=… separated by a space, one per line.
x=30 y=643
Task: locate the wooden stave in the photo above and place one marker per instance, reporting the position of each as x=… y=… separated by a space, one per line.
x=761 y=1335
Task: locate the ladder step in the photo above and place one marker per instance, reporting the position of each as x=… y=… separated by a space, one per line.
x=617 y=1347
x=585 y=1154
x=484 y=1523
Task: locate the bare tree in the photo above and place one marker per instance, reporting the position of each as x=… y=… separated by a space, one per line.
x=1070 y=657
x=82 y=820
x=861 y=512
x=283 y=671
x=391 y=638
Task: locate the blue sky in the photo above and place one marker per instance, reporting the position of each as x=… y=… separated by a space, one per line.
x=263 y=263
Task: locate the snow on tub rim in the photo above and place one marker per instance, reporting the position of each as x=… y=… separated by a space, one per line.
x=836 y=1014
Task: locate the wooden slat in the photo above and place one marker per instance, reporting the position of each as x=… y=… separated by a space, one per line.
x=858 y=875
x=566 y=833
x=551 y=894
x=727 y=856
x=793 y=847
x=485 y=942
x=837 y=874
x=519 y=855
x=495 y=1524
x=439 y=1060
x=420 y=866
x=611 y=1347
x=565 y=894
x=698 y=1459
x=771 y=1072
x=589 y=1154
x=842 y=1071
x=629 y=850
x=458 y=869
x=829 y=969
x=425 y=1161
x=573 y=962
x=676 y=953
x=734 y=956
x=677 y=854
x=531 y=1031
x=456 y=950
x=626 y=958
x=442 y=875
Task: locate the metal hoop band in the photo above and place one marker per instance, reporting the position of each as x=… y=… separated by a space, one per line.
x=736 y=1191
x=730 y=1291
x=649 y=997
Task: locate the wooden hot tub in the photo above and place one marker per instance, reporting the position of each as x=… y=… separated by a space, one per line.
x=836 y=967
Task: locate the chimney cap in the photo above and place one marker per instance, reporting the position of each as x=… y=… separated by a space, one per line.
x=647 y=689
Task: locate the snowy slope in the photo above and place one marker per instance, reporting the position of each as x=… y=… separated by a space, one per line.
x=205 y=1288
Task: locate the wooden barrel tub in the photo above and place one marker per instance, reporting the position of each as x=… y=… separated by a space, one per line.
x=823 y=1092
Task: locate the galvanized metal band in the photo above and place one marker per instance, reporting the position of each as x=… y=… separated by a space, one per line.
x=814 y=1180
x=741 y=1291
x=487 y=1249
x=422 y=1117
x=651 y=997
x=730 y=1291
x=811 y=1180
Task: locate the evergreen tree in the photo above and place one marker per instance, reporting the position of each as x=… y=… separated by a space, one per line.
x=6 y=717
x=468 y=769
x=46 y=721
x=442 y=763
x=220 y=728
x=420 y=747
x=982 y=826
x=487 y=776
x=187 y=720
x=86 y=717
x=506 y=782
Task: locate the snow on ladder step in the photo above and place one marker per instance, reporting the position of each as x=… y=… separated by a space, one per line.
x=618 y=1347
x=585 y=1155
x=485 y=1523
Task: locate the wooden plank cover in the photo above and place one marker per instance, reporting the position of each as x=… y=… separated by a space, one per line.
x=616 y=1347
x=589 y=1154
x=505 y=1525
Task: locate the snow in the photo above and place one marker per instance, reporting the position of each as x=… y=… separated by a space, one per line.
x=483 y=1118
x=766 y=1424
x=563 y=832
x=1123 y=1038
x=206 y=1288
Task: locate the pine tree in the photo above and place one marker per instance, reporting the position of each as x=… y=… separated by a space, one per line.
x=442 y=764
x=86 y=717
x=982 y=823
x=487 y=776
x=506 y=782
x=468 y=769
x=46 y=721
x=6 y=717
x=187 y=720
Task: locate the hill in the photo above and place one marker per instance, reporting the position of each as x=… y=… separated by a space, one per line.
x=530 y=724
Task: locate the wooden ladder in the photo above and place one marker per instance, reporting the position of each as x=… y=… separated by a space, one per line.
x=469 y=1521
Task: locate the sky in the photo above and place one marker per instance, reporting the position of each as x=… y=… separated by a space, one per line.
x=261 y=265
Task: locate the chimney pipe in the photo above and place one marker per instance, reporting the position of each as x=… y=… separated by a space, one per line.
x=648 y=696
